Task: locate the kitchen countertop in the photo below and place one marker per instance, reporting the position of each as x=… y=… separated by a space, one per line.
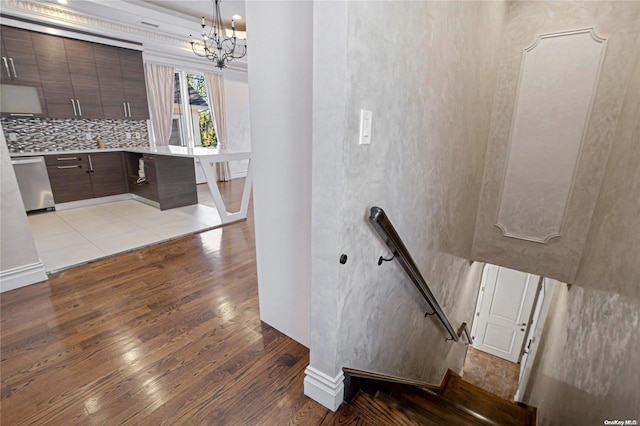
x=177 y=151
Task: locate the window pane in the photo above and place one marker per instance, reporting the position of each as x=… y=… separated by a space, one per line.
x=202 y=120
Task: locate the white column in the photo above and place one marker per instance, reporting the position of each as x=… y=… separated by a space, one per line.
x=280 y=82
x=20 y=264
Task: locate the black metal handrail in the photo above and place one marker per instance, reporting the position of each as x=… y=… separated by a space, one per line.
x=385 y=229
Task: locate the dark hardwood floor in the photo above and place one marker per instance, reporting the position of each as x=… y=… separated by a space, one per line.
x=169 y=334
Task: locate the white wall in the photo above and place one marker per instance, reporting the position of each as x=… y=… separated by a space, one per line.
x=280 y=72
x=236 y=91
x=19 y=261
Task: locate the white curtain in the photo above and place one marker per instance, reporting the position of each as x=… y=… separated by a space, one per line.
x=216 y=94
x=160 y=85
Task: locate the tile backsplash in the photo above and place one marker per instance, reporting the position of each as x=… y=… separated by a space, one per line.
x=47 y=134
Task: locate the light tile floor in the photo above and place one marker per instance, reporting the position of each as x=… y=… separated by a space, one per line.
x=72 y=237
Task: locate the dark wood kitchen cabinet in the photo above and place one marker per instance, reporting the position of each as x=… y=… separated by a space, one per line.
x=76 y=177
x=122 y=84
x=68 y=76
x=18 y=60
x=108 y=175
x=84 y=78
x=76 y=79
x=110 y=81
x=19 y=65
x=170 y=181
x=135 y=90
x=69 y=176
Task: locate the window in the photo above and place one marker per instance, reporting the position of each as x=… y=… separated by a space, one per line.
x=193 y=119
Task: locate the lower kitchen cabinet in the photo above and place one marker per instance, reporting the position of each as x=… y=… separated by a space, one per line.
x=108 y=174
x=70 y=177
x=76 y=177
x=169 y=180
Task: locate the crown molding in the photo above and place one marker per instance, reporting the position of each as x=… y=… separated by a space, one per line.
x=50 y=14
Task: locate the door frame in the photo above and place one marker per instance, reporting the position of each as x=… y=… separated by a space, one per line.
x=535 y=326
x=480 y=300
x=532 y=341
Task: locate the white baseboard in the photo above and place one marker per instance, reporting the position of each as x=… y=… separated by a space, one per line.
x=239 y=174
x=326 y=390
x=145 y=201
x=92 y=201
x=22 y=276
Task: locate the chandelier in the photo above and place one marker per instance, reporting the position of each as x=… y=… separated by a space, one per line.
x=215 y=44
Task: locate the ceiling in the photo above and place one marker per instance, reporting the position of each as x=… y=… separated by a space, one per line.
x=199 y=8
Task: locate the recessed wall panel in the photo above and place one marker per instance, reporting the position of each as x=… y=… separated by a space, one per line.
x=558 y=82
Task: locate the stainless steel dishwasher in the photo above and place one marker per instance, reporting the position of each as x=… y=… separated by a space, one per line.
x=33 y=181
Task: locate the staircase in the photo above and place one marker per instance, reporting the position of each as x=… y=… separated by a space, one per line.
x=373 y=399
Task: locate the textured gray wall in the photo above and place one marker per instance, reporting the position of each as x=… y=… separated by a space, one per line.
x=588 y=369
x=619 y=22
x=426 y=70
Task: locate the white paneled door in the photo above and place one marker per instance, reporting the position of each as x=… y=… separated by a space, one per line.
x=506 y=301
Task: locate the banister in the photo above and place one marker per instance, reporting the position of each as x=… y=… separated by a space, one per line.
x=385 y=229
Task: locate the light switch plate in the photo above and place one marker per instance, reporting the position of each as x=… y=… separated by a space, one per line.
x=365 y=126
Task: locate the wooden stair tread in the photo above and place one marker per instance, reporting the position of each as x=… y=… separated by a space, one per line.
x=381 y=400
x=376 y=412
x=485 y=403
x=429 y=409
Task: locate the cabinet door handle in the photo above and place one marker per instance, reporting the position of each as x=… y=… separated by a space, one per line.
x=6 y=66
x=124 y=105
x=66 y=158
x=75 y=112
x=27 y=161
x=13 y=67
x=79 y=108
x=90 y=164
x=69 y=167
x=129 y=108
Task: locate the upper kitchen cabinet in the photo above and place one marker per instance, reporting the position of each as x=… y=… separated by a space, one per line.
x=110 y=81
x=73 y=78
x=135 y=90
x=19 y=68
x=68 y=76
x=122 y=84
x=84 y=78
x=18 y=60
